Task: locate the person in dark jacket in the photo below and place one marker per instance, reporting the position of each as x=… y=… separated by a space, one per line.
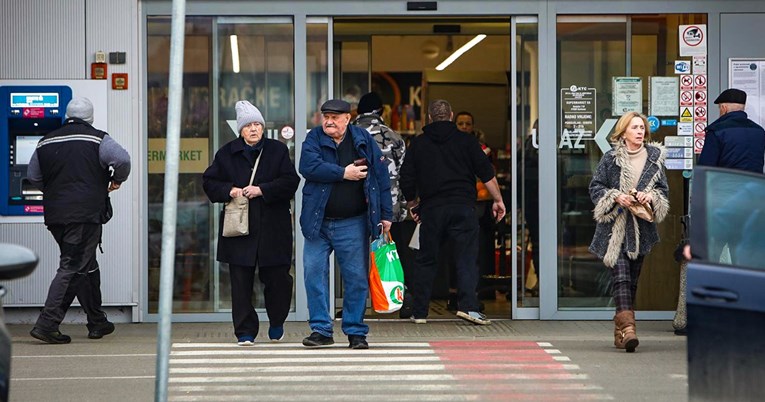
x=346 y=198
x=733 y=141
x=76 y=166
x=268 y=246
x=621 y=239
x=440 y=168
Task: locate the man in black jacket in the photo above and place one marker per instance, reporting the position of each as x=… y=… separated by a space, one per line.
x=73 y=167
x=440 y=168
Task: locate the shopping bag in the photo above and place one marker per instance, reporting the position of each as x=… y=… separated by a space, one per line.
x=386 y=277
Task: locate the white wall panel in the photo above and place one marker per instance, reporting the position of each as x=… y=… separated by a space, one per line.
x=67 y=35
x=42 y=39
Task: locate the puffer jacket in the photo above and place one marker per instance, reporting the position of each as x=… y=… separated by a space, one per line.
x=616 y=228
x=318 y=165
x=393 y=149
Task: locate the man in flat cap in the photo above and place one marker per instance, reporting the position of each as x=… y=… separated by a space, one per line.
x=75 y=198
x=346 y=198
x=733 y=141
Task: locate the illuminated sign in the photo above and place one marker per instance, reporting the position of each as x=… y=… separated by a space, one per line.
x=47 y=99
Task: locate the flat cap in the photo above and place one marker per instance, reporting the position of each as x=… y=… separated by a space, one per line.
x=336 y=106
x=732 y=95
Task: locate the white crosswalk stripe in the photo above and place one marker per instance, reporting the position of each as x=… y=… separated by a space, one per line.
x=411 y=371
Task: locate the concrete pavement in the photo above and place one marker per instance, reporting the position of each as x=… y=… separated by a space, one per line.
x=442 y=360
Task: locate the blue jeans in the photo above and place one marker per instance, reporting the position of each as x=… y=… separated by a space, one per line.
x=349 y=239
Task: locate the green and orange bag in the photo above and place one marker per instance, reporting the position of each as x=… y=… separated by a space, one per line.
x=386 y=276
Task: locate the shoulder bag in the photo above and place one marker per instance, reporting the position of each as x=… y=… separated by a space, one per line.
x=236 y=215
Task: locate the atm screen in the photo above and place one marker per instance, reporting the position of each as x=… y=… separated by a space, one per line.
x=25 y=147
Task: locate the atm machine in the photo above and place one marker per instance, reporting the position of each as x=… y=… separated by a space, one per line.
x=27 y=113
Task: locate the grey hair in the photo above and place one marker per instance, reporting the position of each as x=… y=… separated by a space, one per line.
x=440 y=110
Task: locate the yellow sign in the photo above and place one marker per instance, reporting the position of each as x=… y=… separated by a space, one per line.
x=685 y=115
x=194 y=155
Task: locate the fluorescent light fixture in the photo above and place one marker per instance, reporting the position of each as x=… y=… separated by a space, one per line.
x=234 y=52
x=459 y=52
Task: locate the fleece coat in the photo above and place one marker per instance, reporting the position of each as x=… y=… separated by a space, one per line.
x=617 y=230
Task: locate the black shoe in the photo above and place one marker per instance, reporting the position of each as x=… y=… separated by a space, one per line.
x=681 y=332
x=451 y=303
x=54 y=337
x=357 y=342
x=406 y=310
x=317 y=340
x=101 y=330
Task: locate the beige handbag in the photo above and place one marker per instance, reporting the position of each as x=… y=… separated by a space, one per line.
x=236 y=215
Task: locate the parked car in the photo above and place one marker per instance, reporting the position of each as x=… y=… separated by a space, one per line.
x=15 y=262
x=726 y=278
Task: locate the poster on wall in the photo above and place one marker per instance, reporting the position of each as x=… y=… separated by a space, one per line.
x=693 y=40
x=748 y=75
x=663 y=95
x=627 y=95
x=578 y=116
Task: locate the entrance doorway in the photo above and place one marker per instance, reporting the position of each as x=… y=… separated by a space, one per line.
x=488 y=68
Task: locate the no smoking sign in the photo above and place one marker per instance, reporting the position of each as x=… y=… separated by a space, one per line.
x=686 y=98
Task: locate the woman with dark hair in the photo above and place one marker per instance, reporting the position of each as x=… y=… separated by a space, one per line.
x=630 y=173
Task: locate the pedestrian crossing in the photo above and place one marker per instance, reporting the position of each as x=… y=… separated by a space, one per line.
x=401 y=371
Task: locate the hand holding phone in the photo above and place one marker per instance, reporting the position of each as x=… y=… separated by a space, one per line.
x=360 y=162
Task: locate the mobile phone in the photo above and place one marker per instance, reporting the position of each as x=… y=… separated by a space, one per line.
x=360 y=162
x=416 y=209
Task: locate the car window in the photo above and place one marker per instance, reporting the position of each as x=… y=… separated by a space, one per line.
x=734 y=211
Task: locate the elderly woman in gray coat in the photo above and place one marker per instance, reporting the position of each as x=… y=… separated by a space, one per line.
x=622 y=239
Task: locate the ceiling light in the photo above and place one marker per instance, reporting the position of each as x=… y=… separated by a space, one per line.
x=234 y=53
x=459 y=52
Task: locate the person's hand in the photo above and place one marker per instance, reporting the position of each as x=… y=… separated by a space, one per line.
x=687 y=252
x=625 y=200
x=235 y=192
x=414 y=210
x=113 y=185
x=385 y=225
x=498 y=210
x=355 y=173
x=644 y=198
x=251 y=192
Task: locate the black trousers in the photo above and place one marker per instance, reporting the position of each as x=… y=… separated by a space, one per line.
x=277 y=293
x=78 y=275
x=459 y=224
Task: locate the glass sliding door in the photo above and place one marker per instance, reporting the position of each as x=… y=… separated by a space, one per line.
x=593 y=51
x=226 y=60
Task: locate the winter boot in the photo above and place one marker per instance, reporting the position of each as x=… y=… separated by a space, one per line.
x=625 y=336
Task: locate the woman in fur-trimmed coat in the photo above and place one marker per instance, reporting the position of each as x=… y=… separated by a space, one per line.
x=622 y=239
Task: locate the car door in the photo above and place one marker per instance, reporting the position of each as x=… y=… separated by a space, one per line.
x=726 y=286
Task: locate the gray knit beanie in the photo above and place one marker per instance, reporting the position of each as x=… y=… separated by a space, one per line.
x=246 y=113
x=80 y=108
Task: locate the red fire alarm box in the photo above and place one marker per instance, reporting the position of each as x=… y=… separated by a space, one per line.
x=119 y=81
x=98 y=71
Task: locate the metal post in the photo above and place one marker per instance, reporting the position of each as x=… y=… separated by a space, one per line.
x=170 y=204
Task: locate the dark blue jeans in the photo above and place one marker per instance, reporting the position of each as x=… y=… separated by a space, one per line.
x=438 y=224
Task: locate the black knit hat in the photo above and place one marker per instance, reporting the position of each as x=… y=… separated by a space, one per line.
x=369 y=103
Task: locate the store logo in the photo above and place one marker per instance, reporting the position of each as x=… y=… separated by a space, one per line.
x=397 y=295
x=575 y=88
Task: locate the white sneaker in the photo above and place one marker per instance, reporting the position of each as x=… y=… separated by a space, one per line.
x=474 y=317
x=418 y=320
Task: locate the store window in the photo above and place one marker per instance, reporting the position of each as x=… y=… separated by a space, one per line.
x=233 y=58
x=595 y=52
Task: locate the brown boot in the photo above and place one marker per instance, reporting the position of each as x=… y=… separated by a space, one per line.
x=625 y=336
